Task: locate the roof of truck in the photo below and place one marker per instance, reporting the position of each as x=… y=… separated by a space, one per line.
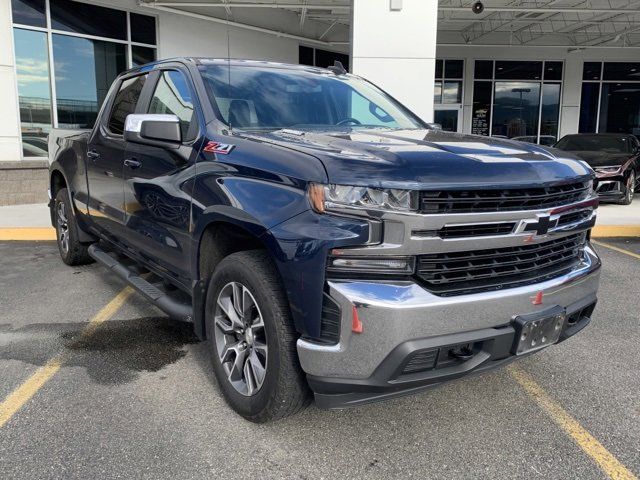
x=232 y=61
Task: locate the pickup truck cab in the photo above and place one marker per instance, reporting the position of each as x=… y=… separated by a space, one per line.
x=320 y=236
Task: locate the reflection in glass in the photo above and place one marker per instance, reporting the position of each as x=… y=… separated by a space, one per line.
x=447 y=119
x=172 y=96
x=142 y=55
x=550 y=113
x=79 y=17
x=515 y=110
x=620 y=108
x=84 y=70
x=437 y=93
x=589 y=107
x=143 y=28
x=452 y=92
x=33 y=90
x=29 y=12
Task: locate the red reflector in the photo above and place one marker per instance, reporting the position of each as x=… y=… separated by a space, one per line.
x=537 y=300
x=356 y=324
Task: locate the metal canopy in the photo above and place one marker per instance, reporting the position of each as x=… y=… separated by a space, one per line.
x=571 y=23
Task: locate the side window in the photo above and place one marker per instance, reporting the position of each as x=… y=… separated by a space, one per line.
x=125 y=103
x=172 y=96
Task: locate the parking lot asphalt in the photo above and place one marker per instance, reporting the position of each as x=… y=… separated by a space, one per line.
x=135 y=398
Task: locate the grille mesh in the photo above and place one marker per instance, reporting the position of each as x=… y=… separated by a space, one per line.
x=469 y=201
x=456 y=273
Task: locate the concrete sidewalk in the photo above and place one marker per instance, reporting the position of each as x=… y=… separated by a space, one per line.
x=32 y=222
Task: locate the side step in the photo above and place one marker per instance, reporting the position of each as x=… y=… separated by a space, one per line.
x=174 y=308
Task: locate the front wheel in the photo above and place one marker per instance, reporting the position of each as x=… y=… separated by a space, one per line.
x=251 y=339
x=630 y=189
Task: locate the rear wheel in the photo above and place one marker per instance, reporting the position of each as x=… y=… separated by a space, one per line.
x=252 y=341
x=71 y=250
x=630 y=189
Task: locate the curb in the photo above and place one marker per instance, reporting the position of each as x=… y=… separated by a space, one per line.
x=48 y=233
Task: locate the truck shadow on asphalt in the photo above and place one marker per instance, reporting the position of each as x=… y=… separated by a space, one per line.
x=113 y=354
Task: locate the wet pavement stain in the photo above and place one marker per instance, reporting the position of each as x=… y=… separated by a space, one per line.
x=113 y=354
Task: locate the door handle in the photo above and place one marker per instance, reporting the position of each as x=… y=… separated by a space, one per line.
x=132 y=163
x=93 y=155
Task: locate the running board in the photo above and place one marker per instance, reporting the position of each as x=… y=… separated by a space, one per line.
x=171 y=306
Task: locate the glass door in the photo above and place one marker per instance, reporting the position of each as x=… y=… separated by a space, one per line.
x=448 y=118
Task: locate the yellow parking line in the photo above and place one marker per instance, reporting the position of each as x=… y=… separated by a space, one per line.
x=604 y=231
x=28 y=233
x=609 y=464
x=21 y=395
x=617 y=249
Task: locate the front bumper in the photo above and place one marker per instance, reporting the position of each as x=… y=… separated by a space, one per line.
x=400 y=319
x=610 y=188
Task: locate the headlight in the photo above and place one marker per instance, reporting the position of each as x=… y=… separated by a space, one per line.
x=607 y=170
x=328 y=197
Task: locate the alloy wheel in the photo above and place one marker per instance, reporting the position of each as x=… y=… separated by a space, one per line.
x=240 y=338
x=62 y=224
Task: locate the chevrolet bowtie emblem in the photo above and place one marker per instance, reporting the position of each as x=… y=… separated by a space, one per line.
x=544 y=222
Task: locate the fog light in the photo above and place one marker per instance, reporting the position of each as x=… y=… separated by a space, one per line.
x=379 y=265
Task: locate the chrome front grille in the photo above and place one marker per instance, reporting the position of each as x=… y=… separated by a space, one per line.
x=462 y=272
x=500 y=200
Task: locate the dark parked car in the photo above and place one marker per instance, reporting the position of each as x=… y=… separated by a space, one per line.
x=319 y=235
x=614 y=156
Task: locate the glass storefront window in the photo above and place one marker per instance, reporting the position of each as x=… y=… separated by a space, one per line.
x=550 y=113
x=621 y=71
x=516 y=109
x=84 y=70
x=142 y=55
x=34 y=94
x=143 y=29
x=88 y=19
x=620 y=108
x=610 y=101
x=591 y=70
x=483 y=69
x=510 y=70
x=29 y=12
x=589 y=108
x=448 y=83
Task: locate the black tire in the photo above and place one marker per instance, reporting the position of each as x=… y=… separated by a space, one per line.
x=284 y=390
x=630 y=186
x=71 y=250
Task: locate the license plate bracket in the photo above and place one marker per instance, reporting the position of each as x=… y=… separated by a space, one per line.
x=538 y=330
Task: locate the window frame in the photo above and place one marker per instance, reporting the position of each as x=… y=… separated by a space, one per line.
x=542 y=81
x=196 y=127
x=50 y=31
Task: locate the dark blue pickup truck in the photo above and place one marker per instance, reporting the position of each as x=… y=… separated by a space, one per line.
x=319 y=235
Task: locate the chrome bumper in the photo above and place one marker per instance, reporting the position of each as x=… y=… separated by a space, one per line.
x=394 y=312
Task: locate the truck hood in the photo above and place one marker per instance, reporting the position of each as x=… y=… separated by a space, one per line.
x=417 y=158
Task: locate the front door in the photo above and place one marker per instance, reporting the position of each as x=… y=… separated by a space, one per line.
x=105 y=155
x=448 y=118
x=158 y=181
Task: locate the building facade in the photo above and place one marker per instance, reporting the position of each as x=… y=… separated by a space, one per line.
x=58 y=58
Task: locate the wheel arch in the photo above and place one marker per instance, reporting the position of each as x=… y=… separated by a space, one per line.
x=219 y=233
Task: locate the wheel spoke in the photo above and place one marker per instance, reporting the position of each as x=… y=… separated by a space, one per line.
x=257 y=369
x=224 y=325
x=260 y=347
x=225 y=303
x=237 y=367
x=249 y=378
x=238 y=297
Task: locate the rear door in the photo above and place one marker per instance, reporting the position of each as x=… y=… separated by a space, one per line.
x=105 y=155
x=158 y=180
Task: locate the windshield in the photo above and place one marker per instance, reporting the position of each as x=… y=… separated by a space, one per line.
x=595 y=143
x=267 y=98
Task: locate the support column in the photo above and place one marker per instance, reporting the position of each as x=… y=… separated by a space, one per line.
x=393 y=44
x=10 y=118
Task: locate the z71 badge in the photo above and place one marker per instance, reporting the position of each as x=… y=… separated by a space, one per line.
x=216 y=147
